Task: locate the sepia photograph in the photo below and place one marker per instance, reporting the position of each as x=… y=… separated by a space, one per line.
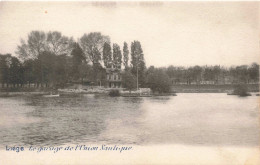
x=120 y=82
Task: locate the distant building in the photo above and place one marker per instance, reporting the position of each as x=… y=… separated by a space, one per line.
x=114 y=77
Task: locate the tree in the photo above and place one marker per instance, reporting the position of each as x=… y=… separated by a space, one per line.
x=61 y=70
x=196 y=73
x=85 y=72
x=241 y=90
x=36 y=44
x=5 y=61
x=92 y=45
x=97 y=56
x=253 y=72
x=58 y=44
x=158 y=81
x=125 y=55
x=29 y=76
x=216 y=73
x=128 y=80
x=78 y=58
x=117 y=56
x=242 y=73
x=175 y=73
x=39 y=41
x=16 y=72
x=99 y=74
x=137 y=61
x=208 y=74
x=107 y=55
x=46 y=62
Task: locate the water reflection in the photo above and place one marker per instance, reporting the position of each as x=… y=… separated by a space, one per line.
x=208 y=119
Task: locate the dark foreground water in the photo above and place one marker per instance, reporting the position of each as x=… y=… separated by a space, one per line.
x=192 y=119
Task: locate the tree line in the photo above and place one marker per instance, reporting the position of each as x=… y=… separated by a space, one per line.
x=50 y=59
x=214 y=74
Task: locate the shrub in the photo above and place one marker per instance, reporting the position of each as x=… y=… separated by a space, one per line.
x=241 y=90
x=158 y=81
x=114 y=93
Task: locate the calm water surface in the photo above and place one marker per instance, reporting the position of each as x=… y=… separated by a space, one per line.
x=192 y=119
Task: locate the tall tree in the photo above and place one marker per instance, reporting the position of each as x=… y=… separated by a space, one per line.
x=60 y=71
x=5 y=61
x=35 y=44
x=58 y=44
x=107 y=55
x=47 y=68
x=29 y=71
x=16 y=74
x=39 y=41
x=78 y=58
x=137 y=61
x=92 y=45
x=126 y=55
x=117 y=56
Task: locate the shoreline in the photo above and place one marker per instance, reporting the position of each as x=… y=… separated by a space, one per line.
x=14 y=94
x=175 y=89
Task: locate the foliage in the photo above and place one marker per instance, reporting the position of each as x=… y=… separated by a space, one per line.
x=15 y=71
x=107 y=55
x=85 y=71
x=114 y=93
x=117 y=56
x=39 y=41
x=128 y=80
x=92 y=45
x=253 y=72
x=241 y=90
x=52 y=59
x=214 y=74
x=125 y=55
x=29 y=75
x=59 y=44
x=78 y=59
x=5 y=61
x=158 y=80
x=99 y=74
x=137 y=61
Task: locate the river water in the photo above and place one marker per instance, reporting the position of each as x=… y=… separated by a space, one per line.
x=191 y=119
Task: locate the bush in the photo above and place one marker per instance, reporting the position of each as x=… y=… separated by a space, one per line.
x=114 y=93
x=158 y=81
x=241 y=90
x=128 y=80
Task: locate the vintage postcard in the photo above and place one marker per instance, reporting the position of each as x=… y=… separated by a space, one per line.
x=125 y=82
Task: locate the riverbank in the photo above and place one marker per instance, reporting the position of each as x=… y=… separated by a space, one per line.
x=209 y=88
x=11 y=94
x=183 y=88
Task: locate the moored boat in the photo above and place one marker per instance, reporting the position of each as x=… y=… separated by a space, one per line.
x=51 y=95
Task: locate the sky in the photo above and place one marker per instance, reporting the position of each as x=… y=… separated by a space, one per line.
x=171 y=33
